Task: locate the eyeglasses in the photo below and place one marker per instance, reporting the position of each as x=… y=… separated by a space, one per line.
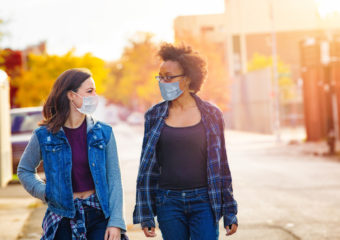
x=168 y=78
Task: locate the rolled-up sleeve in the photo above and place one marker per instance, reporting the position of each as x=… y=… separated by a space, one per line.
x=229 y=205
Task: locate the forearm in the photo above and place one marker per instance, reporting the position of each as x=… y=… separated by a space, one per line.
x=143 y=213
x=32 y=182
x=116 y=203
x=27 y=169
x=115 y=186
x=229 y=204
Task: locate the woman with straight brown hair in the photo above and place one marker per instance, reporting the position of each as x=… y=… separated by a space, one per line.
x=83 y=186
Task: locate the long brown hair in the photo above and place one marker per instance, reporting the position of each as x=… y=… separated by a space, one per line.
x=57 y=106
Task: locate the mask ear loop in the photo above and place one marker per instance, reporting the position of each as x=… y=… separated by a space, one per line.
x=76 y=93
x=74 y=105
x=73 y=102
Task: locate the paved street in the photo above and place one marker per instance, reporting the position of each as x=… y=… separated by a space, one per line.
x=284 y=191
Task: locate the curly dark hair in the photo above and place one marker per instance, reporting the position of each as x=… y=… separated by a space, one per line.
x=194 y=66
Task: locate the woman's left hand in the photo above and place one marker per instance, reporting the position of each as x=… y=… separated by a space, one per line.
x=112 y=233
x=232 y=230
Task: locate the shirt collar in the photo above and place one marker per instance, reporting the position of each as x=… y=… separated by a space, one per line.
x=164 y=111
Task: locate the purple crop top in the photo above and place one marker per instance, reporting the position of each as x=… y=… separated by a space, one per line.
x=81 y=175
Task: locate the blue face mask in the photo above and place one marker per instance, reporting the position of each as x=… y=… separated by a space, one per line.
x=170 y=91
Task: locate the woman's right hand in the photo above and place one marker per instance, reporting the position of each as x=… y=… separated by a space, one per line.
x=149 y=233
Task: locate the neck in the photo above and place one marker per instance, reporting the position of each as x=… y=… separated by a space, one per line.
x=75 y=119
x=184 y=101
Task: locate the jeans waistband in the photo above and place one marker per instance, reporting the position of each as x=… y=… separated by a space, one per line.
x=184 y=193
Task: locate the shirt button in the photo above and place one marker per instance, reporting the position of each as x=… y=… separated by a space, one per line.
x=95 y=137
x=183 y=194
x=93 y=164
x=89 y=148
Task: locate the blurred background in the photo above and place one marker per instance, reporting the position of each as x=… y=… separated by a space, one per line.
x=274 y=71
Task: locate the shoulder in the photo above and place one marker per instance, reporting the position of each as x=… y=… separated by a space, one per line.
x=40 y=134
x=97 y=124
x=106 y=130
x=40 y=130
x=156 y=110
x=210 y=109
x=104 y=125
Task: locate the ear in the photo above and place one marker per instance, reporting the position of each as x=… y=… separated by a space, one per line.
x=187 y=82
x=70 y=95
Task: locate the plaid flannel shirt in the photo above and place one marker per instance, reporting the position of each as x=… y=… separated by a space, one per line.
x=219 y=177
x=51 y=220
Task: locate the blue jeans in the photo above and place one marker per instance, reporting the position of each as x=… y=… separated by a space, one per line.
x=186 y=214
x=95 y=223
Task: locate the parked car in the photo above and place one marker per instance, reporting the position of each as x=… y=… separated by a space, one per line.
x=23 y=122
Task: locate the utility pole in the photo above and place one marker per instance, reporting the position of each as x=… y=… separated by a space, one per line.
x=275 y=76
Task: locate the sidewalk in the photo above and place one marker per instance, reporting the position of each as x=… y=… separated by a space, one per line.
x=15 y=208
x=32 y=231
x=275 y=209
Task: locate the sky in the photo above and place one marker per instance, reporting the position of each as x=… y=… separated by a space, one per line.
x=102 y=27
x=328 y=7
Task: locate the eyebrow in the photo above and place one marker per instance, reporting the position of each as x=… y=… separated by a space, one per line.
x=165 y=73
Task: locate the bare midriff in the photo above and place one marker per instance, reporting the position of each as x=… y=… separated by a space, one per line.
x=83 y=195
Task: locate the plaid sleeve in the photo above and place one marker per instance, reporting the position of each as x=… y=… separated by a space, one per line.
x=229 y=205
x=143 y=212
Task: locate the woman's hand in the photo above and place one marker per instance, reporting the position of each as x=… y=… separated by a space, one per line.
x=232 y=230
x=112 y=233
x=149 y=233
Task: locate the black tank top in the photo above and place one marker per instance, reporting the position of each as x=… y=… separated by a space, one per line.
x=182 y=156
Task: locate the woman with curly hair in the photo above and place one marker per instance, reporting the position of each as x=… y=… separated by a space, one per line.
x=184 y=177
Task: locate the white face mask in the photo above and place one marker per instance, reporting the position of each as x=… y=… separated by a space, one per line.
x=89 y=104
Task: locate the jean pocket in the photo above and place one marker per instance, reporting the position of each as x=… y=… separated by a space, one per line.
x=160 y=199
x=99 y=212
x=203 y=198
x=94 y=214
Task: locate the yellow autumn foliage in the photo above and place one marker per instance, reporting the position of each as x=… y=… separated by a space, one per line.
x=216 y=87
x=35 y=82
x=132 y=81
x=286 y=83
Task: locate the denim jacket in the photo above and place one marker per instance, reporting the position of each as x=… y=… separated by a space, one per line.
x=55 y=152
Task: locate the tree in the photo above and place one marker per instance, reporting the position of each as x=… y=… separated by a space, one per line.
x=11 y=63
x=35 y=83
x=286 y=83
x=132 y=82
